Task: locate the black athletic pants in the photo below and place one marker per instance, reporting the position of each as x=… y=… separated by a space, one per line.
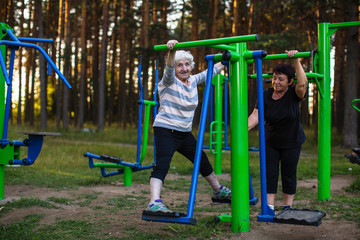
x=168 y=141
x=289 y=159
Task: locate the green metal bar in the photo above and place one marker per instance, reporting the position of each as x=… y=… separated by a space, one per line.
x=225 y=218
x=234 y=57
x=127 y=176
x=353 y=104
x=146 y=132
x=239 y=143
x=308 y=74
x=324 y=113
x=344 y=24
x=2 y=181
x=108 y=165
x=209 y=42
x=223 y=47
x=285 y=56
x=3 y=26
x=148 y=102
x=218 y=82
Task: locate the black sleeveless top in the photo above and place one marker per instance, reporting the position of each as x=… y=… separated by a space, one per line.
x=282 y=120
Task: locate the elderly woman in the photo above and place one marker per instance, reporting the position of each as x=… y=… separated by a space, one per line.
x=283 y=132
x=172 y=126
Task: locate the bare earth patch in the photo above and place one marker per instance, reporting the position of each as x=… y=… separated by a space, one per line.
x=100 y=209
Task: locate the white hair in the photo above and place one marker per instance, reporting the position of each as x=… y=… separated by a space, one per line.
x=181 y=54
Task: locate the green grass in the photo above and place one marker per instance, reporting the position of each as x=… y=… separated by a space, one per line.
x=25 y=203
x=61 y=165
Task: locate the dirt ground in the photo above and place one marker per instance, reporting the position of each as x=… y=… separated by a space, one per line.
x=329 y=229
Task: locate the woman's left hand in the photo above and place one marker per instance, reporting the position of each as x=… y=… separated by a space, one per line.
x=291 y=53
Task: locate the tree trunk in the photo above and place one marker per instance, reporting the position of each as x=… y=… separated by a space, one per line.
x=74 y=93
x=59 y=85
x=67 y=65
x=352 y=76
x=113 y=63
x=146 y=40
x=95 y=63
x=82 y=99
x=121 y=104
x=32 y=91
x=102 y=79
x=18 y=119
x=43 y=75
x=339 y=81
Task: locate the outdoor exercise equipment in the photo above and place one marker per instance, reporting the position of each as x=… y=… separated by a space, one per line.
x=354 y=156
x=239 y=57
x=10 y=149
x=240 y=166
x=353 y=104
x=123 y=167
x=218 y=127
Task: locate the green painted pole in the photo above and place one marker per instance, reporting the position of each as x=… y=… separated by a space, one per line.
x=108 y=165
x=285 y=56
x=146 y=132
x=239 y=143
x=209 y=42
x=308 y=74
x=2 y=116
x=127 y=176
x=218 y=82
x=324 y=113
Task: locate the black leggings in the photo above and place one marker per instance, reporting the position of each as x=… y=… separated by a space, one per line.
x=168 y=141
x=289 y=159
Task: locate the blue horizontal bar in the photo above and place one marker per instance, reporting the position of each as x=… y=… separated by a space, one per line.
x=42 y=51
x=45 y=40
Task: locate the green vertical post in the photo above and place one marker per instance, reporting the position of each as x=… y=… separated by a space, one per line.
x=239 y=142
x=324 y=113
x=2 y=111
x=2 y=181
x=127 y=176
x=217 y=82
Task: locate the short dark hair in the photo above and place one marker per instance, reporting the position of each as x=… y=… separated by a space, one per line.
x=286 y=69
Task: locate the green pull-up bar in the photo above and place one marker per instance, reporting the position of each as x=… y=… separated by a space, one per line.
x=215 y=43
x=285 y=56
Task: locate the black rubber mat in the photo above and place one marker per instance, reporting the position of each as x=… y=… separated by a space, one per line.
x=162 y=214
x=300 y=217
x=220 y=200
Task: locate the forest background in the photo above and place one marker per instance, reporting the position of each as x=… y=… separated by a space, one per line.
x=97 y=46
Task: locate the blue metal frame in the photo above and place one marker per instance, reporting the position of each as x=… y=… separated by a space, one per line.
x=267 y=214
x=252 y=199
x=35 y=140
x=30 y=45
x=137 y=165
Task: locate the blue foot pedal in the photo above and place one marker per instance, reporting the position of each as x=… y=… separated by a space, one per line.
x=173 y=217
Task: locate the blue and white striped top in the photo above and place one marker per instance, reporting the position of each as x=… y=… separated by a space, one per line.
x=178 y=100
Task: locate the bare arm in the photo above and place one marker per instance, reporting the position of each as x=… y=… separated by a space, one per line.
x=219 y=66
x=171 y=54
x=302 y=81
x=253 y=119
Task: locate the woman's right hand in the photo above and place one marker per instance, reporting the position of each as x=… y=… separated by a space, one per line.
x=171 y=43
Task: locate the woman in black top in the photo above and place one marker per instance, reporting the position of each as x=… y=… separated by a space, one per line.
x=283 y=132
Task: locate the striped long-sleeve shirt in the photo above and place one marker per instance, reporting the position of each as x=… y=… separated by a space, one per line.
x=178 y=100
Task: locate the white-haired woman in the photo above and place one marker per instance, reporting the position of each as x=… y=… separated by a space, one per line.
x=172 y=126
